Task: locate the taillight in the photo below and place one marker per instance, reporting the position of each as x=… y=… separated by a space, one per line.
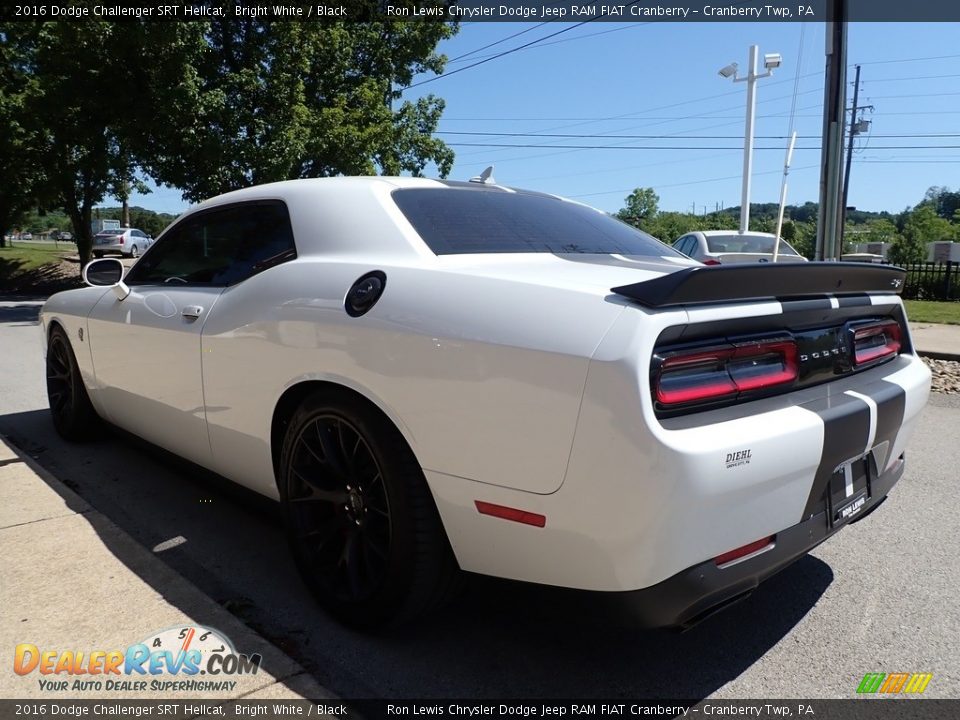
x=724 y=371
x=711 y=261
x=874 y=342
x=121 y=239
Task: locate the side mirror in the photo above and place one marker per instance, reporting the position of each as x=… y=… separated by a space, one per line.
x=107 y=272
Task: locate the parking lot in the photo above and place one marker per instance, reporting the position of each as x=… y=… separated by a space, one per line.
x=879 y=597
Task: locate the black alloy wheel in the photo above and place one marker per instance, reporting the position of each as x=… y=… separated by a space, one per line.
x=73 y=415
x=361 y=521
x=339 y=507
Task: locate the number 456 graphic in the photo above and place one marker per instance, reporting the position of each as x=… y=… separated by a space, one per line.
x=914 y=683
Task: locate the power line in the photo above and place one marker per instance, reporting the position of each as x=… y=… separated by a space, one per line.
x=509 y=37
x=674 y=135
x=511 y=50
x=683 y=147
x=580 y=37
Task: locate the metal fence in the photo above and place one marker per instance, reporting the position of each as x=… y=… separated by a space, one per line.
x=933 y=281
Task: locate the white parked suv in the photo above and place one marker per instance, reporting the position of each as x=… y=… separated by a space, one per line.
x=129 y=242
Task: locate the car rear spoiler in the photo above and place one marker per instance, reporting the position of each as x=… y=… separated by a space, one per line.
x=749 y=282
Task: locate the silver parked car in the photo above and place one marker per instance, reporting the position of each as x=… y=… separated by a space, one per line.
x=720 y=247
x=129 y=242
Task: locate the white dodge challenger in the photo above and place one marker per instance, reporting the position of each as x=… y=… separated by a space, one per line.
x=439 y=376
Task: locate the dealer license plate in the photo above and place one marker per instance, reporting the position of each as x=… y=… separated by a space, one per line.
x=849 y=490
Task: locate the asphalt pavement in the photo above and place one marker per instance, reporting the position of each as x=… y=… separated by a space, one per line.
x=881 y=596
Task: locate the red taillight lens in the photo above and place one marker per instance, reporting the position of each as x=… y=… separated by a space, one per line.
x=725 y=371
x=711 y=261
x=120 y=237
x=740 y=552
x=875 y=342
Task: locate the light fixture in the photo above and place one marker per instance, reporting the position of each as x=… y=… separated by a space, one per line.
x=728 y=70
x=772 y=60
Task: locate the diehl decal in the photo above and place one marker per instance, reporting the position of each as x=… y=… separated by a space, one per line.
x=738 y=458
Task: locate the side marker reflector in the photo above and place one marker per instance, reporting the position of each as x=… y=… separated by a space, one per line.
x=740 y=552
x=509 y=513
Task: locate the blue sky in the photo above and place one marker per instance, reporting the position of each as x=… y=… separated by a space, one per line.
x=661 y=79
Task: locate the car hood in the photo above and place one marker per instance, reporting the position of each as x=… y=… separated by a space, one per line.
x=595 y=274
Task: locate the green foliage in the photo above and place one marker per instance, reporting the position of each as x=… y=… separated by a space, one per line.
x=94 y=108
x=273 y=101
x=921 y=227
x=152 y=223
x=19 y=174
x=641 y=204
x=944 y=202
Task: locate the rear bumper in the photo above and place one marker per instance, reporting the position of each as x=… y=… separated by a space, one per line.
x=110 y=248
x=699 y=591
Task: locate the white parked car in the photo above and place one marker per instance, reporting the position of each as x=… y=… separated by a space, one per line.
x=128 y=242
x=433 y=376
x=719 y=247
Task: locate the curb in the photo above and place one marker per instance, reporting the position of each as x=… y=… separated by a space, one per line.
x=121 y=554
x=936 y=355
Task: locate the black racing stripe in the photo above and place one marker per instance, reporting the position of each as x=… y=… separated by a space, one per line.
x=846 y=429
x=806 y=305
x=891 y=402
x=854 y=301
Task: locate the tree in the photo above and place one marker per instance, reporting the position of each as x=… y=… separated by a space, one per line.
x=214 y=106
x=277 y=101
x=944 y=202
x=19 y=173
x=922 y=226
x=640 y=205
x=91 y=93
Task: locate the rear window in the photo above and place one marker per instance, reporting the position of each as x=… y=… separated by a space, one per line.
x=455 y=221
x=746 y=244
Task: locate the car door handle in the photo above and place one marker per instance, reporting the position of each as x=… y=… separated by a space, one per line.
x=191 y=311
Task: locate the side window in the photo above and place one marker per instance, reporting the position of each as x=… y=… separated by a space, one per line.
x=683 y=244
x=137 y=233
x=219 y=247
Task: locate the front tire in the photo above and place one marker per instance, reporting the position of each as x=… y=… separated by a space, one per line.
x=361 y=521
x=73 y=416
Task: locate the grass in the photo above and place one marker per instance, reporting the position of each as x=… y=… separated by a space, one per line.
x=933 y=312
x=33 y=267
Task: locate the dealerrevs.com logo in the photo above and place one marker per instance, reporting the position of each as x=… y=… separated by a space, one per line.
x=190 y=659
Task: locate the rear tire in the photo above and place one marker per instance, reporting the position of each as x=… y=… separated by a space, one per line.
x=134 y=252
x=361 y=521
x=73 y=416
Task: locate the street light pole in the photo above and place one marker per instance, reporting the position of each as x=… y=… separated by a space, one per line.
x=771 y=61
x=751 y=80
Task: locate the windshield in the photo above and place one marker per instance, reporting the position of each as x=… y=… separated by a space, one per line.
x=463 y=220
x=746 y=244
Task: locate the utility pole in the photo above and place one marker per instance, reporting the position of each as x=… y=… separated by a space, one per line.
x=846 y=173
x=834 y=116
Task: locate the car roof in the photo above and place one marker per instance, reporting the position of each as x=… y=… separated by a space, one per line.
x=727 y=233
